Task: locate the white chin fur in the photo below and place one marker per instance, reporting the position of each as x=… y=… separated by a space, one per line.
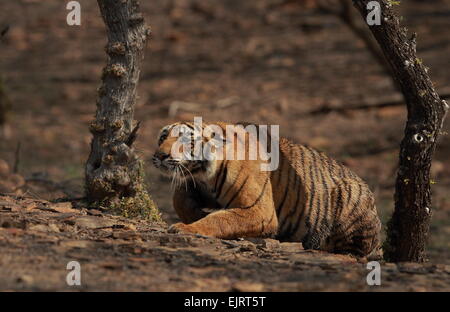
x=211 y=169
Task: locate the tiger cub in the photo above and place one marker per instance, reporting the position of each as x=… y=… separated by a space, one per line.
x=309 y=198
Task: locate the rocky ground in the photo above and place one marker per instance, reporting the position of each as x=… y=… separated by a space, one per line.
x=39 y=238
x=265 y=61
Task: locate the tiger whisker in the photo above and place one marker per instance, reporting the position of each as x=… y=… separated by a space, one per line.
x=184 y=180
x=178 y=177
x=190 y=173
x=172 y=181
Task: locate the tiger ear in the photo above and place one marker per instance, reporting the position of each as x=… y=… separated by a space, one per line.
x=220 y=137
x=215 y=133
x=164 y=133
x=245 y=124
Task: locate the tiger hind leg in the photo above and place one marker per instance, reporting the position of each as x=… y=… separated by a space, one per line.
x=360 y=244
x=356 y=226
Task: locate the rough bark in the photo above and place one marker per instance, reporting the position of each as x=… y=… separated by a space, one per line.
x=5 y=103
x=113 y=170
x=409 y=225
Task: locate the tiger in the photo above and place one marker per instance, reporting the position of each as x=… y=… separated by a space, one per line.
x=309 y=198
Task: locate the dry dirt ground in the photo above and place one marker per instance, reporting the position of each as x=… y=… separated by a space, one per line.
x=265 y=61
x=38 y=239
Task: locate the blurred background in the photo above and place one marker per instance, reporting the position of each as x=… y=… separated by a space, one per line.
x=288 y=62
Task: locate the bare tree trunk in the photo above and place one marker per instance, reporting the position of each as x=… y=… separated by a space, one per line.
x=409 y=225
x=5 y=103
x=114 y=174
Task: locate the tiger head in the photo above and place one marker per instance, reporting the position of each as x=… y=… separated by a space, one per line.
x=195 y=150
x=181 y=151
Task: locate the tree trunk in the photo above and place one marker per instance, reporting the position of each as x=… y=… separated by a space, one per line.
x=408 y=228
x=114 y=174
x=5 y=104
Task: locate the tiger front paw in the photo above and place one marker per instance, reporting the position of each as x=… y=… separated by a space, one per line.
x=182 y=229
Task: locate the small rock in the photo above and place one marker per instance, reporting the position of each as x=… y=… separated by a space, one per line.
x=247 y=287
x=125 y=235
x=53 y=227
x=266 y=243
x=418 y=289
x=7 y=222
x=91 y=222
x=130 y=227
x=229 y=244
x=442 y=268
x=31 y=205
x=291 y=247
x=39 y=228
x=8 y=206
x=76 y=243
x=248 y=247
x=69 y=220
x=390 y=267
x=64 y=207
x=25 y=279
x=269 y=243
x=94 y=212
x=111 y=265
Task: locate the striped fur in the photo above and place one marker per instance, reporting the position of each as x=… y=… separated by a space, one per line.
x=310 y=198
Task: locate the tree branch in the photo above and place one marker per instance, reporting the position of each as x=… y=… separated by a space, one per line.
x=326 y=109
x=345 y=12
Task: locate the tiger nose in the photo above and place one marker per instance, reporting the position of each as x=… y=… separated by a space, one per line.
x=161 y=155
